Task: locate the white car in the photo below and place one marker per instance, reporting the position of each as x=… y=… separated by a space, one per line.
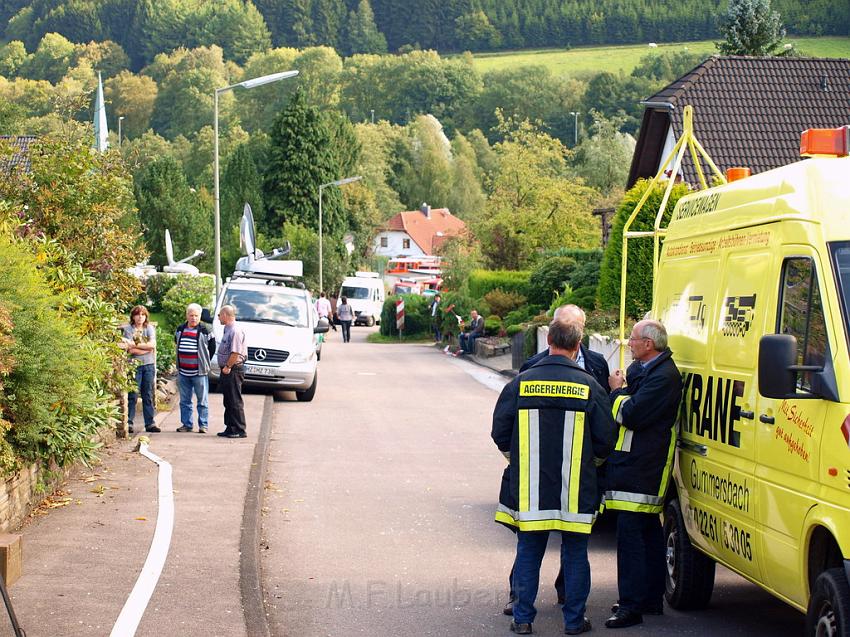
x=282 y=329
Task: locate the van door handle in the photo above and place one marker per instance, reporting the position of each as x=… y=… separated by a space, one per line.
x=747 y=415
x=767 y=420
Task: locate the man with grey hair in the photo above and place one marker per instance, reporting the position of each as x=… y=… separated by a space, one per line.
x=232 y=354
x=554 y=425
x=638 y=472
x=195 y=347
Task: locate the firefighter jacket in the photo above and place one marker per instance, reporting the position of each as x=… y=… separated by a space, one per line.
x=638 y=471
x=555 y=422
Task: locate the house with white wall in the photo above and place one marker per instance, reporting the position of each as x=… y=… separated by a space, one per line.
x=416 y=233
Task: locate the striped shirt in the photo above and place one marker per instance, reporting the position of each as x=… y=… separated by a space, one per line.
x=187 y=352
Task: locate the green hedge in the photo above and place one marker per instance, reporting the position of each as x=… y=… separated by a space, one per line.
x=188 y=289
x=417 y=317
x=639 y=286
x=483 y=281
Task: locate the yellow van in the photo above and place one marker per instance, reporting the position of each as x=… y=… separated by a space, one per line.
x=753 y=285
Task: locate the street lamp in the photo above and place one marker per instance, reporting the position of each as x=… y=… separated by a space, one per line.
x=339 y=182
x=120 y=119
x=575 y=114
x=252 y=83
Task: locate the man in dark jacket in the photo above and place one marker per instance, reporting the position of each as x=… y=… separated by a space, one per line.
x=639 y=470
x=554 y=425
x=597 y=366
x=593 y=362
x=476 y=329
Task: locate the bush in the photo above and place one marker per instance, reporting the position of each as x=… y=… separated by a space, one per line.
x=188 y=289
x=639 y=288
x=483 y=281
x=453 y=305
x=514 y=329
x=522 y=314
x=502 y=303
x=493 y=325
x=156 y=287
x=417 y=316
x=166 y=352
x=548 y=278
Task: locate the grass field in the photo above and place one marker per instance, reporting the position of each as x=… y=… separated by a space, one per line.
x=583 y=62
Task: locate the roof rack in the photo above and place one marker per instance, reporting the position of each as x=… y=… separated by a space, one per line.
x=269 y=278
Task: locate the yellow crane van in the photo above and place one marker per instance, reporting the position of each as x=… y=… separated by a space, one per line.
x=753 y=285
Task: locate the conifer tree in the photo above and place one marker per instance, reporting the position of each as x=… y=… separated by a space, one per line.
x=752 y=28
x=361 y=32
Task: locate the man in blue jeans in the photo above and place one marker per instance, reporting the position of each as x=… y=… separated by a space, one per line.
x=554 y=424
x=195 y=348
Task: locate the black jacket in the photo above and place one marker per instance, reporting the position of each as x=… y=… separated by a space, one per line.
x=555 y=421
x=594 y=362
x=638 y=471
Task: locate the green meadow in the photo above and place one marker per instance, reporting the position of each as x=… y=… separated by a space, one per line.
x=585 y=61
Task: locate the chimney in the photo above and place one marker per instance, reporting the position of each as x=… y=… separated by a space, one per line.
x=426 y=210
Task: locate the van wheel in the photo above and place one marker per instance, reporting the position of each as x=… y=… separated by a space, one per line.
x=370 y=321
x=690 y=574
x=307 y=395
x=829 y=605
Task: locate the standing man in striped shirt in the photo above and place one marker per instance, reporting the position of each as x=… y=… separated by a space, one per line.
x=195 y=348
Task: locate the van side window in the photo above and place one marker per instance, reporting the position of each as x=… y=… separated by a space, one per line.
x=802 y=315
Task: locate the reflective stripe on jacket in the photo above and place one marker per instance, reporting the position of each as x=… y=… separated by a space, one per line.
x=638 y=472
x=555 y=421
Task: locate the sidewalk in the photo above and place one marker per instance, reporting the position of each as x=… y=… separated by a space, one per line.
x=81 y=559
x=500 y=364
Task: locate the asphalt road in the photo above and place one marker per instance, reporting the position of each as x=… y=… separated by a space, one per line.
x=379 y=503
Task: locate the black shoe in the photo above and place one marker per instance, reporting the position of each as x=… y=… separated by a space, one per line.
x=584 y=628
x=509 y=608
x=236 y=434
x=623 y=619
x=184 y=428
x=651 y=610
x=521 y=629
x=202 y=430
x=130 y=428
x=153 y=429
x=224 y=434
x=561 y=601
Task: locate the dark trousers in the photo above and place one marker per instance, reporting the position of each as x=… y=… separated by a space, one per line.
x=559 y=583
x=531 y=545
x=346 y=330
x=641 y=567
x=467 y=342
x=231 y=390
x=145 y=377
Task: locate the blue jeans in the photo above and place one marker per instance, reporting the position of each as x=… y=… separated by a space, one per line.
x=531 y=545
x=641 y=565
x=145 y=375
x=467 y=342
x=199 y=385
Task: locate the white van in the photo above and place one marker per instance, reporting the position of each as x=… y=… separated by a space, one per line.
x=365 y=294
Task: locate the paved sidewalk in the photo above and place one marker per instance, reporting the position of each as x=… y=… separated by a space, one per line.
x=82 y=559
x=500 y=364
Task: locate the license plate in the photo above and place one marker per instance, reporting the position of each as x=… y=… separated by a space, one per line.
x=258 y=370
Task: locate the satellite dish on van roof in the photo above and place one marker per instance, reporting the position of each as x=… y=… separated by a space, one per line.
x=247 y=234
x=182 y=266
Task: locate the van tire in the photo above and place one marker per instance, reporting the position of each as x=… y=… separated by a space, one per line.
x=370 y=321
x=829 y=605
x=307 y=395
x=690 y=573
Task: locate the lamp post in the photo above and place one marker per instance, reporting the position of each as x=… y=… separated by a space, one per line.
x=120 y=119
x=575 y=114
x=338 y=182
x=252 y=83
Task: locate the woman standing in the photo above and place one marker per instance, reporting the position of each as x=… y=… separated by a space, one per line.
x=140 y=341
x=345 y=314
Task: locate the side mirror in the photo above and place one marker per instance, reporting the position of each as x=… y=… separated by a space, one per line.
x=777 y=357
x=322 y=326
x=206 y=317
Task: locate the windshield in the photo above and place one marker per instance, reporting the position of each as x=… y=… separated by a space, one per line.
x=268 y=306
x=841 y=264
x=354 y=293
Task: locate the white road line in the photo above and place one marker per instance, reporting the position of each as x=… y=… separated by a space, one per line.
x=486 y=377
x=137 y=602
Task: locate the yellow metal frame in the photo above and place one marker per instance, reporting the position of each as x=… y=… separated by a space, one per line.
x=687 y=141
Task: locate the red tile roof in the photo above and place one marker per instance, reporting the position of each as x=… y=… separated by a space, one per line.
x=427 y=233
x=748 y=111
x=20 y=156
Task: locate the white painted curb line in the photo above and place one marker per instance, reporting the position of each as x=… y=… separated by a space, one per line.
x=137 y=602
